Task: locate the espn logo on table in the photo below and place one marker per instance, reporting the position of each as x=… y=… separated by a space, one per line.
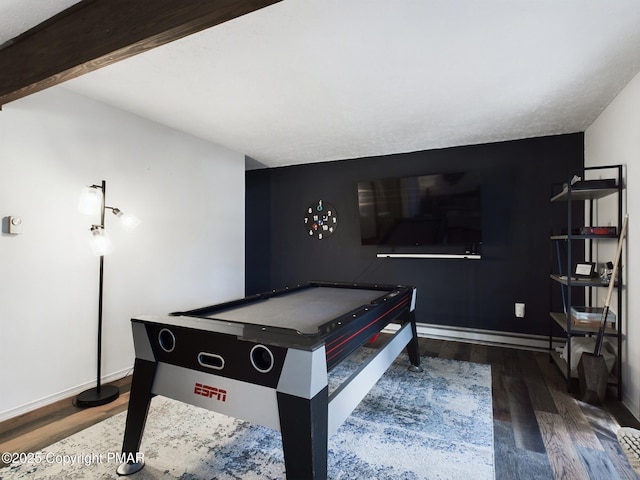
x=210 y=392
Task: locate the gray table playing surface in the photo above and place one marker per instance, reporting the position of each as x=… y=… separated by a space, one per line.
x=304 y=311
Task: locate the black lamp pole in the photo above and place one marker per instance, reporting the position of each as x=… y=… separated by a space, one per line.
x=100 y=395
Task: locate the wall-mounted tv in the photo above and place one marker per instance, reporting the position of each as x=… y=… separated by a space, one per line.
x=442 y=209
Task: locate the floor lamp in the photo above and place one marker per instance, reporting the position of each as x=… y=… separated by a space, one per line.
x=92 y=201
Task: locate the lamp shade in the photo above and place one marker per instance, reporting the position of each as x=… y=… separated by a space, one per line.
x=90 y=201
x=128 y=221
x=100 y=241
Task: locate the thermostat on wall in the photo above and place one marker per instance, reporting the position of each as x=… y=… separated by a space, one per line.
x=15 y=225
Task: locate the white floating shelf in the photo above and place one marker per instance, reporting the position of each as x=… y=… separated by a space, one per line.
x=468 y=256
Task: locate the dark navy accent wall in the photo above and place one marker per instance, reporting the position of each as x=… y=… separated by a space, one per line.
x=258 y=231
x=517 y=220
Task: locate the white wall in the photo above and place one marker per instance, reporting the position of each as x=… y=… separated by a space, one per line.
x=614 y=138
x=187 y=252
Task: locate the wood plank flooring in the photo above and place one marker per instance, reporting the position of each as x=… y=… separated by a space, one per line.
x=540 y=430
x=40 y=428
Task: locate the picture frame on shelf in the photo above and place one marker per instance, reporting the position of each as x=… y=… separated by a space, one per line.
x=585 y=269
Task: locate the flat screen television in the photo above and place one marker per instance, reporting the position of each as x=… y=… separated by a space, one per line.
x=442 y=210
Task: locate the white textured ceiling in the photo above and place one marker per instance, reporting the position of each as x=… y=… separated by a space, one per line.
x=314 y=80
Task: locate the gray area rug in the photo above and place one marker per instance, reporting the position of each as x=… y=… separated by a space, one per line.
x=629 y=439
x=437 y=424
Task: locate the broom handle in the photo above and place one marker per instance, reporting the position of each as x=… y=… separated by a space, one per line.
x=614 y=273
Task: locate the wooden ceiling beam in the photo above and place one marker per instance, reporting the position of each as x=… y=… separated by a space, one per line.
x=95 y=33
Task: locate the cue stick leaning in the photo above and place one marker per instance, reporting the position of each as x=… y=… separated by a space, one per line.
x=614 y=272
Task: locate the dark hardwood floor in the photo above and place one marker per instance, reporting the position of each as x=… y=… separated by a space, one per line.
x=540 y=430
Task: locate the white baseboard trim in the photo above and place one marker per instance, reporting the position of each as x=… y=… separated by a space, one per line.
x=68 y=393
x=483 y=337
x=459 y=334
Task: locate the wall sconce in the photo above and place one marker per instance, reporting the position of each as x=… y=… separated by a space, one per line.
x=93 y=201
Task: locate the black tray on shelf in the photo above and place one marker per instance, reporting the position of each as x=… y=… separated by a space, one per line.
x=592 y=184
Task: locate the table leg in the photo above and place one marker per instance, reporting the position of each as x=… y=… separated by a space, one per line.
x=413 y=349
x=139 y=400
x=304 y=429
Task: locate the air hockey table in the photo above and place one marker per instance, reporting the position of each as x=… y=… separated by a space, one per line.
x=265 y=359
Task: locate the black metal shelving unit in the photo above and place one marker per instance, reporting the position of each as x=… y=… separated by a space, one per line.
x=588 y=191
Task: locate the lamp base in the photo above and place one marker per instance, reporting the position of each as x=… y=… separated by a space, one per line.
x=95 y=397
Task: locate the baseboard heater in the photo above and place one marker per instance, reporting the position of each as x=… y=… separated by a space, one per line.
x=483 y=337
